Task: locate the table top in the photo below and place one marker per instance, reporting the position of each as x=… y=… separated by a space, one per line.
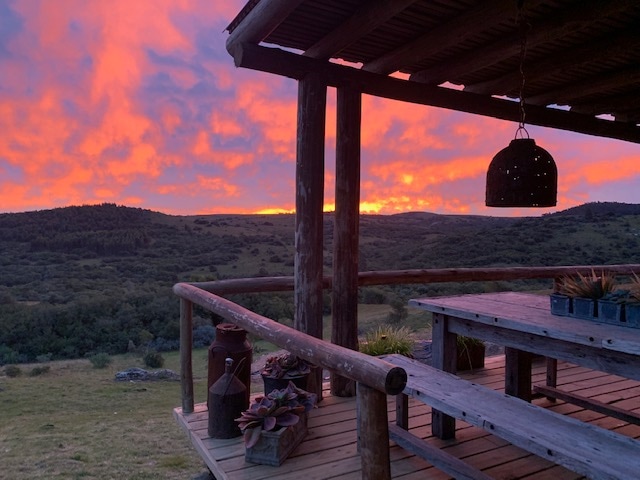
x=531 y=313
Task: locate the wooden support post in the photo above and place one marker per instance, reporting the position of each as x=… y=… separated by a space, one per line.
x=402 y=411
x=517 y=371
x=186 y=363
x=443 y=356
x=346 y=230
x=373 y=433
x=312 y=98
x=552 y=372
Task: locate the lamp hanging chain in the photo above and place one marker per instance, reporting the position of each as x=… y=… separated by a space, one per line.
x=524 y=26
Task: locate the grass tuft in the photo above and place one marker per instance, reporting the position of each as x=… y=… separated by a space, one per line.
x=388 y=339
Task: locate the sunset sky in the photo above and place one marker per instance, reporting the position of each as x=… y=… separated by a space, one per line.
x=137 y=102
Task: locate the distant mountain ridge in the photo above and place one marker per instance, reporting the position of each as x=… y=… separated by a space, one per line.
x=77 y=280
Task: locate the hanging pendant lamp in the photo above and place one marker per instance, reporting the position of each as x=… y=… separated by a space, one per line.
x=522 y=174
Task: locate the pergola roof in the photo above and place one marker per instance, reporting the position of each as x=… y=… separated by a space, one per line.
x=582 y=56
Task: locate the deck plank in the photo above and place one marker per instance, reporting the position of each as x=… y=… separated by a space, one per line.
x=329 y=451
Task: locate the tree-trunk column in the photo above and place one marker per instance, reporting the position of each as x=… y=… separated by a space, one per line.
x=346 y=229
x=312 y=98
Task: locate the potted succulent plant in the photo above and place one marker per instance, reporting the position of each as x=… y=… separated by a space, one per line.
x=585 y=290
x=632 y=303
x=611 y=306
x=279 y=370
x=274 y=424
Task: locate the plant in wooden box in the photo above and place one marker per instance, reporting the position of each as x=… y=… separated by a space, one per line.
x=585 y=292
x=561 y=303
x=632 y=304
x=279 y=370
x=275 y=424
x=470 y=353
x=611 y=307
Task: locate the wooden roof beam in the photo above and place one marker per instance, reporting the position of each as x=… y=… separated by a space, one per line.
x=263 y=19
x=363 y=21
x=571 y=20
x=598 y=50
x=575 y=91
x=443 y=36
x=613 y=105
x=296 y=66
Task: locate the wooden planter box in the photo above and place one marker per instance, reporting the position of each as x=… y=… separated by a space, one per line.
x=610 y=312
x=632 y=315
x=560 y=304
x=584 y=308
x=274 y=447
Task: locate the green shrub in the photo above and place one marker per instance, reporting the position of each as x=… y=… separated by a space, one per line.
x=386 y=339
x=36 y=371
x=44 y=358
x=100 y=360
x=12 y=371
x=153 y=359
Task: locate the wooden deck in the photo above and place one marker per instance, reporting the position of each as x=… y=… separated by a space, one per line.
x=329 y=450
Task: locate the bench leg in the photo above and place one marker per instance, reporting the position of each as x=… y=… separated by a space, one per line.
x=552 y=375
x=517 y=373
x=402 y=411
x=443 y=357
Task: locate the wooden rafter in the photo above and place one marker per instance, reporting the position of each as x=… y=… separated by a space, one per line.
x=608 y=47
x=554 y=28
x=291 y=65
x=445 y=35
x=363 y=21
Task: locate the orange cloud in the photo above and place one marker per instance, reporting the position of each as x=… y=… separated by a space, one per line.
x=138 y=102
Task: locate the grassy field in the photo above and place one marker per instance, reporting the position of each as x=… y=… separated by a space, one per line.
x=76 y=422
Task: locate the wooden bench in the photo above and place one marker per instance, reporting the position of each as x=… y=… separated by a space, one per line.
x=584 y=448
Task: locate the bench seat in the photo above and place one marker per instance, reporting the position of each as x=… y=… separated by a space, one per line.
x=584 y=448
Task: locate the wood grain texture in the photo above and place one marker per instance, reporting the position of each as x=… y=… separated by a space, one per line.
x=581 y=447
x=329 y=451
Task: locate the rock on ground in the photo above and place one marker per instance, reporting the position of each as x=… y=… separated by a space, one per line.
x=136 y=374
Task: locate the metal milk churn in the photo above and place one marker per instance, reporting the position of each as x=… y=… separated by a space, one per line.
x=230 y=342
x=227 y=401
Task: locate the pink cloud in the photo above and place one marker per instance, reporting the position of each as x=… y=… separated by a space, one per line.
x=139 y=103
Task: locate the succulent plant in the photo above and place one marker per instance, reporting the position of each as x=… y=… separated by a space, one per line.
x=285 y=365
x=280 y=408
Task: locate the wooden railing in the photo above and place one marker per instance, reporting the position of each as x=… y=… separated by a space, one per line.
x=375 y=378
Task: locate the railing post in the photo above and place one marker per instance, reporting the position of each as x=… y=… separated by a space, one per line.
x=373 y=433
x=186 y=362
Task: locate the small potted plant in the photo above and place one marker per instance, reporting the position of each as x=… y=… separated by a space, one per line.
x=632 y=303
x=611 y=306
x=470 y=353
x=585 y=292
x=274 y=424
x=279 y=370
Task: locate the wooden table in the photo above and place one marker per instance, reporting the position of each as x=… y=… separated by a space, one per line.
x=523 y=324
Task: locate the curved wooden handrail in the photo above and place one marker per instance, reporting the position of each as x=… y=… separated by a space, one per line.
x=354 y=365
